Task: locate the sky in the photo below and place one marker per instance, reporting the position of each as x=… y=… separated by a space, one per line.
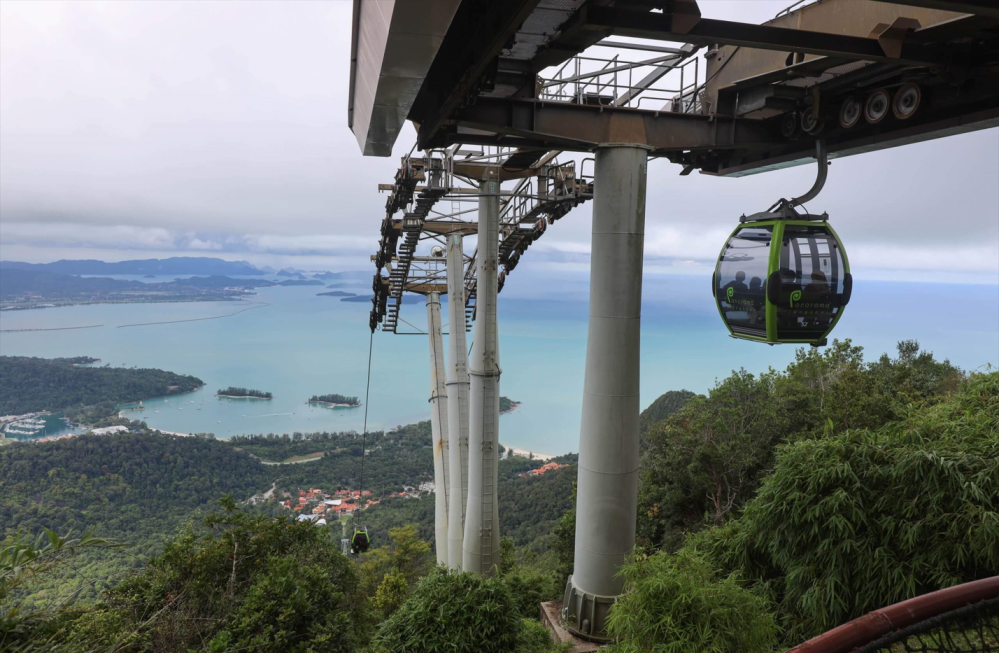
x=153 y=129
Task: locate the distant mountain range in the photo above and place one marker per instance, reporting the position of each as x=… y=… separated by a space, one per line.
x=167 y=266
x=15 y=282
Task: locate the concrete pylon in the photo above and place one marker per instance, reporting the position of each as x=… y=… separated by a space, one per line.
x=438 y=424
x=607 y=486
x=480 y=549
x=457 y=404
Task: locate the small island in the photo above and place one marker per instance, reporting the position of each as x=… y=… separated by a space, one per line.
x=508 y=405
x=336 y=293
x=243 y=393
x=335 y=400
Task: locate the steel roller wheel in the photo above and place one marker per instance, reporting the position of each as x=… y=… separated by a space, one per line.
x=850 y=112
x=877 y=106
x=906 y=101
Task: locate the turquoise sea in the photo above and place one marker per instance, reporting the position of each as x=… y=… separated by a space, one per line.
x=300 y=344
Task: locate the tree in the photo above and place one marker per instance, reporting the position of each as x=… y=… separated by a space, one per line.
x=23 y=559
x=851 y=522
x=389 y=572
x=246 y=582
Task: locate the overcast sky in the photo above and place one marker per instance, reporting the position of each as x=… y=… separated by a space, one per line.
x=152 y=129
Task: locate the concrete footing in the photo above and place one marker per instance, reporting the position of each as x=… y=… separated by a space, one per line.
x=550 y=618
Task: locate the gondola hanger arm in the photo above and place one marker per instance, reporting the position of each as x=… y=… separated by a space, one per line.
x=820 y=178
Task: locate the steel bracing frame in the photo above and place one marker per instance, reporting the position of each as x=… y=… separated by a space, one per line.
x=413 y=226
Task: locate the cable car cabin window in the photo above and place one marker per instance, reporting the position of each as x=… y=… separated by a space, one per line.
x=811 y=270
x=741 y=280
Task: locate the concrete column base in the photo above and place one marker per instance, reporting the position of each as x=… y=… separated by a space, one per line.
x=551 y=618
x=585 y=614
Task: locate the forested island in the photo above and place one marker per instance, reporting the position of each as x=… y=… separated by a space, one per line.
x=232 y=392
x=336 y=400
x=57 y=384
x=336 y=293
x=508 y=405
x=869 y=479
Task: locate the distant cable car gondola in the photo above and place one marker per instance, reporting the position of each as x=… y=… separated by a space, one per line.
x=783 y=276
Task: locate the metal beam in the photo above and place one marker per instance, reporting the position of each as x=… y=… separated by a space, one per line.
x=977 y=7
x=580 y=128
x=462 y=61
x=624 y=45
x=838 y=147
x=709 y=31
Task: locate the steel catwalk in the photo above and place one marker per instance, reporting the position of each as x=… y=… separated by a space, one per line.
x=607 y=490
x=481 y=541
x=457 y=405
x=438 y=424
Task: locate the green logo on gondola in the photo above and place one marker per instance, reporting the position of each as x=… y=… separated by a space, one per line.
x=795 y=296
x=729 y=293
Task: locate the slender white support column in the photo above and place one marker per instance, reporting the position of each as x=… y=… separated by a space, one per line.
x=480 y=549
x=438 y=424
x=607 y=489
x=457 y=401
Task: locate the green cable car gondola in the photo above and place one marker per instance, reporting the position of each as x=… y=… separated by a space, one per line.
x=783 y=276
x=360 y=542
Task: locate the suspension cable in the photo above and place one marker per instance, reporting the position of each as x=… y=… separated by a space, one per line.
x=364 y=433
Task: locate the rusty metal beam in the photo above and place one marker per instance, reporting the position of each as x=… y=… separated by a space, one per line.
x=576 y=127
x=765 y=37
x=977 y=7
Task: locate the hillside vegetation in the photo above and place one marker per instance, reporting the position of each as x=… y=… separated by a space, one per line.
x=55 y=384
x=772 y=508
x=134 y=488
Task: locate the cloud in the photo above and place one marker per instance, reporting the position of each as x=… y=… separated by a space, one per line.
x=67 y=234
x=131 y=128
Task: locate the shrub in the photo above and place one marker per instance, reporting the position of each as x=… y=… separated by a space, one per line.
x=453 y=612
x=679 y=604
x=864 y=519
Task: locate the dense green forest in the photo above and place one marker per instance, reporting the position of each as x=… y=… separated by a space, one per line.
x=233 y=391
x=529 y=510
x=663 y=408
x=394 y=459
x=55 y=384
x=335 y=398
x=772 y=508
x=135 y=488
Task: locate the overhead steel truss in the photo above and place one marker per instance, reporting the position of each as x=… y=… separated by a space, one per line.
x=413 y=229
x=767 y=92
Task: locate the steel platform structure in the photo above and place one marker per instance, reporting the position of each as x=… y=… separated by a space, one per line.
x=545 y=191
x=535 y=78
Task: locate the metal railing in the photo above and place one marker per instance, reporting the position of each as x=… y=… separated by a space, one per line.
x=669 y=82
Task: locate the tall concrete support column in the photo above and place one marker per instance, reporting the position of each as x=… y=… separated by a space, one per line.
x=480 y=549
x=457 y=401
x=438 y=424
x=607 y=486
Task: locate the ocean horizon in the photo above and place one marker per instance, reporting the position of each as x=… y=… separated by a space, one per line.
x=297 y=344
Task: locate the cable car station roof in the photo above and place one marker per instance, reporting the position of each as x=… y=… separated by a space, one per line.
x=481 y=72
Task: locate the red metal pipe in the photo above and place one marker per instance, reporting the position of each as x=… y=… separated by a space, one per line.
x=878 y=623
